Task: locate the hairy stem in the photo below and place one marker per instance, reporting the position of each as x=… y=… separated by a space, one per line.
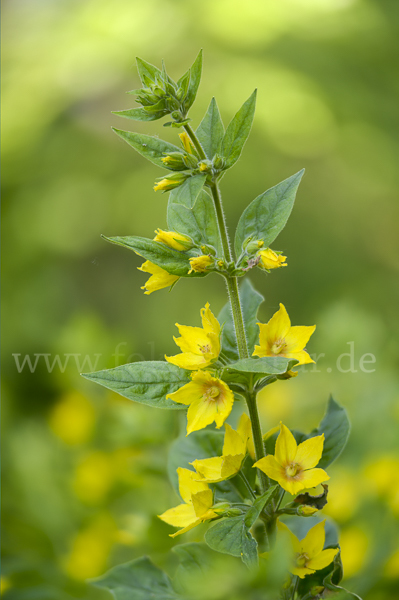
x=258 y=438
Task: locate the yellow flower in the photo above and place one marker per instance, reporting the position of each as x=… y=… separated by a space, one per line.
x=223 y=467
x=159 y=277
x=271 y=260
x=209 y=400
x=187 y=144
x=292 y=465
x=278 y=338
x=199 y=346
x=197 y=507
x=309 y=555
x=199 y=264
x=170 y=182
x=172 y=239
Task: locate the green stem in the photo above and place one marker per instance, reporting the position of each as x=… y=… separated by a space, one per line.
x=247 y=485
x=295 y=587
x=234 y=297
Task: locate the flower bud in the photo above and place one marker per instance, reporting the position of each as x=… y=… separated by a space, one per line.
x=269 y=259
x=175 y=115
x=190 y=161
x=253 y=246
x=171 y=182
x=218 y=162
x=208 y=250
x=200 y=264
x=186 y=142
x=221 y=507
x=306 y=511
x=287 y=375
x=175 y=161
x=233 y=512
x=204 y=166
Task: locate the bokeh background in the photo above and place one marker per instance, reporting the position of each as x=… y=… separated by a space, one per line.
x=84 y=470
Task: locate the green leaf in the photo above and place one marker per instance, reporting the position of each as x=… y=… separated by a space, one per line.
x=199 y=445
x=336 y=428
x=150 y=147
x=195 y=565
x=210 y=131
x=268 y=365
x=199 y=222
x=140 y=114
x=250 y=301
x=267 y=215
x=146 y=382
x=237 y=132
x=148 y=73
x=195 y=78
x=187 y=193
x=139 y=579
x=231 y=536
x=173 y=261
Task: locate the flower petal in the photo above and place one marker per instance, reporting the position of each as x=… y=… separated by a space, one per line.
x=309 y=452
x=159 y=277
x=180 y=516
x=202 y=502
x=188 y=361
x=209 y=469
x=271 y=467
x=233 y=442
x=323 y=559
x=279 y=325
x=300 y=571
x=187 y=393
x=282 y=527
x=297 y=338
x=209 y=321
x=302 y=357
x=189 y=484
x=187 y=528
x=312 y=478
x=244 y=427
x=313 y=543
x=231 y=465
x=286 y=447
x=192 y=338
x=200 y=414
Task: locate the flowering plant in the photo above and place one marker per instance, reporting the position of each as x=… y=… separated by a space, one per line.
x=237 y=480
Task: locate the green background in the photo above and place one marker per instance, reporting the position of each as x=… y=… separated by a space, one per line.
x=85 y=471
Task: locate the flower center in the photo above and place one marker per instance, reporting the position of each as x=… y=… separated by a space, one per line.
x=205 y=349
x=278 y=346
x=212 y=393
x=301 y=560
x=292 y=469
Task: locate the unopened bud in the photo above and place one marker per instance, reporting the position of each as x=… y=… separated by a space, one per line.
x=233 y=512
x=175 y=114
x=221 y=507
x=208 y=250
x=221 y=264
x=218 y=162
x=254 y=246
x=316 y=590
x=287 y=375
x=306 y=511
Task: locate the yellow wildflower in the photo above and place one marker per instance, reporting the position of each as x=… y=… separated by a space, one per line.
x=197 y=507
x=292 y=465
x=209 y=400
x=199 y=346
x=172 y=239
x=219 y=468
x=159 y=277
x=278 y=338
x=309 y=555
x=186 y=142
x=271 y=260
x=199 y=264
x=170 y=182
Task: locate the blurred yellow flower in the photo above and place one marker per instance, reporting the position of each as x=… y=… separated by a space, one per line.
x=309 y=555
x=344 y=493
x=197 y=507
x=354 y=543
x=271 y=260
x=292 y=465
x=72 y=419
x=199 y=264
x=379 y=474
x=209 y=400
x=94 y=476
x=391 y=569
x=5 y=584
x=90 y=548
x=219 y=468
x=200 y=347
x=278 y=338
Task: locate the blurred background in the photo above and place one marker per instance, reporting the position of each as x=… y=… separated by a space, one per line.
x=85 y=470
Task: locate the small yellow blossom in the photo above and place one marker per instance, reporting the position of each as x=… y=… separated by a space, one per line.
x=174 y=240
x=197 y=507
x=271 y=260
x=278 y=338
x=159 y=277
x=309 y=555
x=200 y=347
x=292 y=465
x=203 y=167
x=186 y=142
x=306 y=511
x=170 y=182
x=199 y=264
x=219 y=468
x=209 y=400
